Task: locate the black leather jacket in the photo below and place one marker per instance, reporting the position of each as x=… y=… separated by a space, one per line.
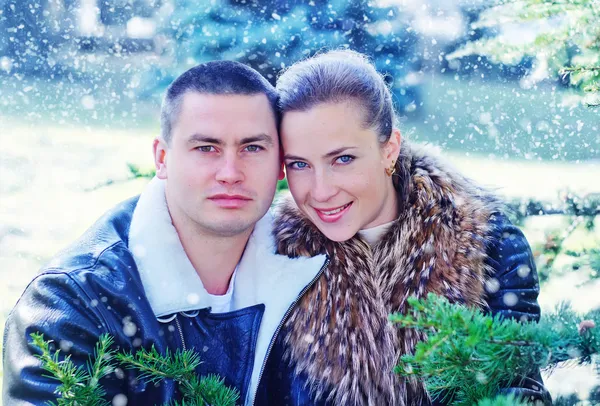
x=93 y=288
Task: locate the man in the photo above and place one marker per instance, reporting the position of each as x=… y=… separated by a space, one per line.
x=189 y=264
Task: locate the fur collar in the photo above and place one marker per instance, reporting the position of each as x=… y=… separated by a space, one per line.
x=339 y=335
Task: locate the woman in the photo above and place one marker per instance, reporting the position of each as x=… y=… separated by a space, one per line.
x=395 y=221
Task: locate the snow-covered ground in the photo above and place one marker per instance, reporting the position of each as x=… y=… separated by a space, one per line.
x=46 y=173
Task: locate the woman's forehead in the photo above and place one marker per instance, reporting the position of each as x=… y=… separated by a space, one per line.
x=325 y=127
x=327 y=116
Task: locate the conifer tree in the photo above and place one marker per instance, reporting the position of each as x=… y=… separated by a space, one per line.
x=566 y=43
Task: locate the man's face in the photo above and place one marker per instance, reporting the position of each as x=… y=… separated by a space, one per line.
x=222 y=163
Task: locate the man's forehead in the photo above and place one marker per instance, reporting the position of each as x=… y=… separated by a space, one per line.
x=233 y=107
x=194 y=99
x=229 y=117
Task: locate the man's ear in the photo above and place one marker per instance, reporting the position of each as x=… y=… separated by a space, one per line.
x=160 y=157
x=392 y=147
x=281 y=163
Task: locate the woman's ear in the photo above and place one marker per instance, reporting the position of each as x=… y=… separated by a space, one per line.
x=392 y=147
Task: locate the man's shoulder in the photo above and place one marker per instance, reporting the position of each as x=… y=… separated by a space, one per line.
x=106 y=238
x=97 y=268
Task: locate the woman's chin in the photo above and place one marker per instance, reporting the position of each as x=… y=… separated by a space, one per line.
x=333 y=233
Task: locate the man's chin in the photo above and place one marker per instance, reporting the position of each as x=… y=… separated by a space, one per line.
x=228 y=227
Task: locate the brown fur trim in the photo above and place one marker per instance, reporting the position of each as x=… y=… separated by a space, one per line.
x=339 y=334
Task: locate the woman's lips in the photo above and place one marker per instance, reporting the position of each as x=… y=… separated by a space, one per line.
x=334 y=214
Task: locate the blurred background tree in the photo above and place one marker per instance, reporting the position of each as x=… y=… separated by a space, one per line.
x=561 y=36
x=271 y=35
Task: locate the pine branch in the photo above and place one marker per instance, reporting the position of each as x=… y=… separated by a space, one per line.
x=579 y=69
x=574 y=26
x=134 y=173
x=78 y=387
x=594 y=262
x=570 y=205
x=181 y=367
x=580 y=209
x=215 y=392
x=102 y=364
x=502 y=401
x=155 y=367
x=82 y=387
x=469 y=356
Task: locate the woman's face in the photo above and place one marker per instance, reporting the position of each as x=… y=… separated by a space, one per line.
x=336 y=169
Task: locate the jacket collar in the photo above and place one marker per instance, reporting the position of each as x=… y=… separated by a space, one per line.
x=169 y=278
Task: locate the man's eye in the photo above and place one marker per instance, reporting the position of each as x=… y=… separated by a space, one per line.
x=254 y=148
x=344 y=159
x=206 y=148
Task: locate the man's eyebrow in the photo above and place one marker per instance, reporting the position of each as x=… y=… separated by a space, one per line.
x=257 y=138
x=200 y=138
x=196 y=138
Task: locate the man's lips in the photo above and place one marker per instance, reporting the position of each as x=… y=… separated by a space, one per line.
x=331 y=215
x=230 y=201
x=229 y=197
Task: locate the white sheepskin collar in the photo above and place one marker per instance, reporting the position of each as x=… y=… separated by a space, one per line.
x=169 y=278
x=172 y=284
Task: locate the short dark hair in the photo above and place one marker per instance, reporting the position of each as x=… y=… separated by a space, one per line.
x=215 y=77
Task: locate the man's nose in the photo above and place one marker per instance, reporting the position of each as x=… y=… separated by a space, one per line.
x=230 y=170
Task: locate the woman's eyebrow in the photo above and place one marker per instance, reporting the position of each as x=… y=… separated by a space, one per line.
x=293 y=157
x=330 y=154
x=337 y=152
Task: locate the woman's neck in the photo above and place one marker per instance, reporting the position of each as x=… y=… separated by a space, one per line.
x=388 y=211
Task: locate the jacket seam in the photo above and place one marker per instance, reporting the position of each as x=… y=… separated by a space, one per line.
x=68 y=274
x=87 y=294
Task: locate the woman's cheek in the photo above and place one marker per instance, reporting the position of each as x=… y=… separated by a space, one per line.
x=303 y=189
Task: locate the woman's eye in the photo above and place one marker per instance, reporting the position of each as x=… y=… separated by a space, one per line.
x=344 y=159
x=206 y=148
x=297 y=165
x=253 y=148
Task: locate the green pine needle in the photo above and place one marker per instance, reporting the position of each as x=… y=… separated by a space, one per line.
x=155 y=367
x=216 y=393
x=78 y=386
x=469 y=356
x=502 y=401
x=81 y=386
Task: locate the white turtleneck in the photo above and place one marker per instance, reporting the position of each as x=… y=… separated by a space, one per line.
x=373 y=235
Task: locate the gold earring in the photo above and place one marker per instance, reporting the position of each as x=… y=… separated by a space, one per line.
x=391 y=170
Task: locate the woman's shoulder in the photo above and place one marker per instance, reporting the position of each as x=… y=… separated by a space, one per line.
x=433 y=173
